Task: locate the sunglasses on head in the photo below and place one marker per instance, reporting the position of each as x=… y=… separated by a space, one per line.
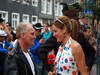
x=57 y=19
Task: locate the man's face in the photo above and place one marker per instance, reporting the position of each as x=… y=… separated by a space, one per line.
x=88 y=33
x=2 y=38
x=38 y=32
x=29 y=37
x=46 y=27
x=1 y=27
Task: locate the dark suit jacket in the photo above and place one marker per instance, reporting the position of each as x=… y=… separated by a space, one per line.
x=16 y=63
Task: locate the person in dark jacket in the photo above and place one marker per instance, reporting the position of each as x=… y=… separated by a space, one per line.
x=98 y=48
x=19 y=61
x=88 y=49
x=3 y=50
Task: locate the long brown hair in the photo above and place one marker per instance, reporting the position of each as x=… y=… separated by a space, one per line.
x=75 y=29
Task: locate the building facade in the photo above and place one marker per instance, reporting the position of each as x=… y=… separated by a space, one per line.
x=49 y=9
x=43 y=11
x=15 y=11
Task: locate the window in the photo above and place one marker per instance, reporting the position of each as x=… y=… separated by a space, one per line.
x=34 y=2
x=70 y=2
x=26 y=2
x=4 y=15
x=25 y=18
x=15 y=19
x=40 y=21
x=58 y=9
x=55 y=8
x=13 y=0
x=17 y=1
x=77 y=0
x=49 y=6
x=34 y=19
x=43 y=6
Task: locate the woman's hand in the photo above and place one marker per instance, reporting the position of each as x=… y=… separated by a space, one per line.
x=51 y=73
x=54 y=72
x=42 y=40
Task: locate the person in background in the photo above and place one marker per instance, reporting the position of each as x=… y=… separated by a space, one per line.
x=34 y=50
x=88 y=49
x=6 y=27
x=46 y=33
x=48 y=49
x=68 y=60
x=3 y=50
x=19 y=61
x=1 y=24
x=98 y=47
x=11 y=30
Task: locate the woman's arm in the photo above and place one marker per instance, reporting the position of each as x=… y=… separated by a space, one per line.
x=80 y=59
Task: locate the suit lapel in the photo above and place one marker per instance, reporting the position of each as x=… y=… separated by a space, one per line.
x=22 y=56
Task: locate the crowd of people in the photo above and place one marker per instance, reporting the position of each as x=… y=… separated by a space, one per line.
x=68 y=46
x=60 y=48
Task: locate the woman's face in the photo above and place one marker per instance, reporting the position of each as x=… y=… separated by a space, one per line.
x=58 y=33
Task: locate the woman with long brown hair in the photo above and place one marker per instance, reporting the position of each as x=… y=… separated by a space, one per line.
x=70 y=57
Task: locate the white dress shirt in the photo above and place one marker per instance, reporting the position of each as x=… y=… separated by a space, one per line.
x=30 y=62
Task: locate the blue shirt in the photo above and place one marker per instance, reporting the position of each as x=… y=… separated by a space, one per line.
x=47 y=35
x=34 y=50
